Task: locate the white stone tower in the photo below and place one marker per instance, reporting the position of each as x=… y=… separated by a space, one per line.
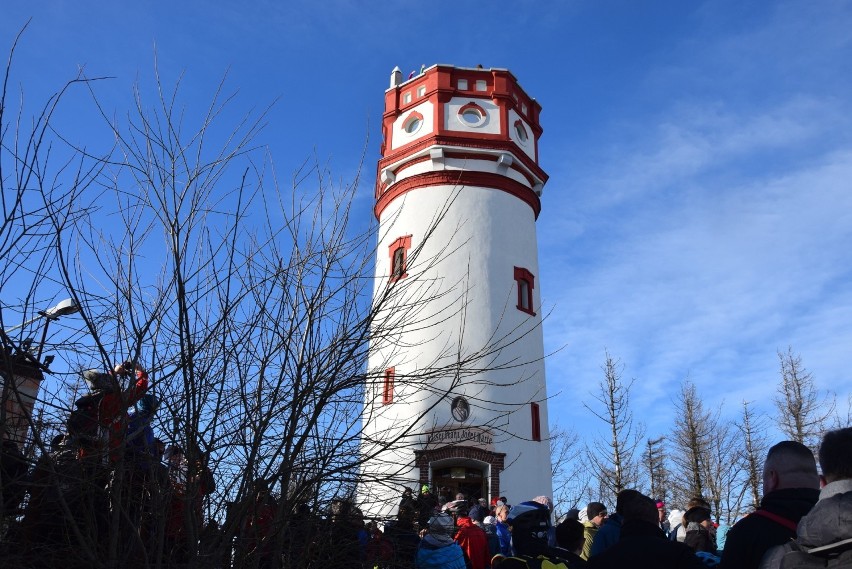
x=457 y=396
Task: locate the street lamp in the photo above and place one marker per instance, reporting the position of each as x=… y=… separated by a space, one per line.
x=21 y=374
x=64 y=308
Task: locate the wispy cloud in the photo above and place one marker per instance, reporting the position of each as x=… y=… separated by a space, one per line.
x=710 y=234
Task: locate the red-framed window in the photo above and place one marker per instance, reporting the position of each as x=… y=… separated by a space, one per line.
x=525 y=282
x=535 y=415
x=398 y=251
x=387 y=388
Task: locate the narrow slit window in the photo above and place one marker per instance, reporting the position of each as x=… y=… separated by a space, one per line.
x=387 y=388
x=398 y=263
x=398 y=251
x=525 y=282
x=535 y=415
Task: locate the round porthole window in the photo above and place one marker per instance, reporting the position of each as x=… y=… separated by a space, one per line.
x=413 y=123
x=472 y=115
x=521 y=132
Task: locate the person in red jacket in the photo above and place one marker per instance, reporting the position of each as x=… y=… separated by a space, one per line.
x=258 y=528
x=470 y=537
x=100 y=420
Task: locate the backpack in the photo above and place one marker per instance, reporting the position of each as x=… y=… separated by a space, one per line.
x=794 y=556
x=83 y=422
x=530 y=562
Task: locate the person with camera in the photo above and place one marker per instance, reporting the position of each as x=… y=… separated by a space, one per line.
x=99 y=421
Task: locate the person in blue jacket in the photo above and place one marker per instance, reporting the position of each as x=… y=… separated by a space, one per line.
x=437 y=550
x=503 y=534
x=610 y=531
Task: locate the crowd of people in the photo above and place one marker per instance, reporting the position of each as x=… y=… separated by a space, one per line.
x=804 y=520
x=106 y=474
x=108 y=488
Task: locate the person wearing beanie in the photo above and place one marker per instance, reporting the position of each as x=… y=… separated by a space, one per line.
x=596 y=513
x=426 y=504
x=824 y=534
x=547 y=503
x=678 y=533
x=700 y=531
x=479 y=510
x=437 y=550
x=489 y=526
x=470 y=537
x=661 y=511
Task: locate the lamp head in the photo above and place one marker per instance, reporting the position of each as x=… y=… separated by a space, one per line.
x=64 y=308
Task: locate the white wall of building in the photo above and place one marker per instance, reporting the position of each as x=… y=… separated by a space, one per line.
x=465 y=243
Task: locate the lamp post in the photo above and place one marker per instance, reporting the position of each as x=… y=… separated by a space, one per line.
x=23 y=373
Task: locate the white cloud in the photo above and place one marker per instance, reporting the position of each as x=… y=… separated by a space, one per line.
x=707 y=237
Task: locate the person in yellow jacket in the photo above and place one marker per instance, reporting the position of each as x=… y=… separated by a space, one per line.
x=597 y=514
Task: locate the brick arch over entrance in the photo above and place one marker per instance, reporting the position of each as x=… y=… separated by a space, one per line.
x=496 y=459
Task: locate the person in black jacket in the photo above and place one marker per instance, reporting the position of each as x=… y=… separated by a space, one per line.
x=790 y=490
x=643 y=544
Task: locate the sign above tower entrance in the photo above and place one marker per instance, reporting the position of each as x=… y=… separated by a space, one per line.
x=465 y=436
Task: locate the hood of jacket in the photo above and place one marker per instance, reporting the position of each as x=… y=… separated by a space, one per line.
x=831 y=519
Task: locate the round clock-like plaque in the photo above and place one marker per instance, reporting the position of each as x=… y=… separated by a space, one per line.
x=460 y=409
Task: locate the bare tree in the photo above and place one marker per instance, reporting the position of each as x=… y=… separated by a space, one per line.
x=251 y=305
x=613 y=456
x=694 y=429
x=845 y=419
x=802 y=410
x=753 y=451
x=655 y=464
x=569 y=471
x=723 y=473
x=29 y=193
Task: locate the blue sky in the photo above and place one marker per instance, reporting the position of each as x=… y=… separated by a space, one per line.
x=698 y=215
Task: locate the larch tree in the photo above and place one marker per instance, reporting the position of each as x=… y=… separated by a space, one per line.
x=803 y=412
x=656 y=468
x=614 y=454
x=723 y=473
x=690 y=444
x=751 y=427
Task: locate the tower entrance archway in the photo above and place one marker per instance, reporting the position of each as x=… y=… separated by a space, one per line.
x=470 y=481
x=473 y=471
